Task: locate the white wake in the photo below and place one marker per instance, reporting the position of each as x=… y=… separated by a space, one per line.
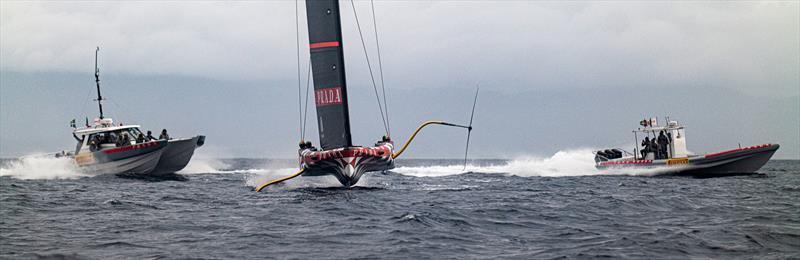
x=42 y=168
x=578 y=162
x=202 y=164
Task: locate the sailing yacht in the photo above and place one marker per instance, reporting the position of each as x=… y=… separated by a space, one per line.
x=337 y=155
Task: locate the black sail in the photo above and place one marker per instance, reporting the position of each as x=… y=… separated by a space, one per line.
x=327 y=62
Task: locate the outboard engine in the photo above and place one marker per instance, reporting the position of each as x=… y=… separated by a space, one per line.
x=600 y=156
x=617 y=153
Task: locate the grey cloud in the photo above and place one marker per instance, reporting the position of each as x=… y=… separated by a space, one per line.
x=750 y=47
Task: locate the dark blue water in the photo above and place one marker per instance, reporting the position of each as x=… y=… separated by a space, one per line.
x=403 y=215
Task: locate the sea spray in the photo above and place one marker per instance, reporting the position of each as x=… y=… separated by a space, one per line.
x=42 y=168
x=202 y=163
x=579 y=162
x=576 y=162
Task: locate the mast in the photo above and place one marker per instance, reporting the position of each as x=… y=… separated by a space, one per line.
x=327 y=62
x=97 y=80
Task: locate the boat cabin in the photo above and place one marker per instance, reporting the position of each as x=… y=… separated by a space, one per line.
x=675 y=147
x=105 y=136
x=676 y=136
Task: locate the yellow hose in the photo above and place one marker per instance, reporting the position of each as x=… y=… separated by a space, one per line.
x=398 y=153
x=280 y=180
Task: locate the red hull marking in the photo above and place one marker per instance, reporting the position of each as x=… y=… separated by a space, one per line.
x=627 y=162
x=352 y=152
x=323 y=45
x=328 y=96
x=737 y=150
x=130 y=147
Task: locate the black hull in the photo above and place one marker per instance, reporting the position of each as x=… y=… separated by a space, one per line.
x=347 y=164
x=744 y=164
x=177 y=154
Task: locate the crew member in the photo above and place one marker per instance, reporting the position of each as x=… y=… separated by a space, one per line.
x=164 y=135
x=94 y=143
x=150 y=135
x=645 y=146
x=141 y=139
x=654 y=148
x=663 y=143
x=111 y=138
x=123 y=140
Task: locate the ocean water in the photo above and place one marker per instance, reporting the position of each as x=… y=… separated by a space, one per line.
x=528 y=208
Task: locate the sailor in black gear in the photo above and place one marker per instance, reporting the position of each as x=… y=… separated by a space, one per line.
x=94 y=143
x=663 y=143
x=645 y=146
x=122 y=139
x=164 y=135
x=150 y=136
x=654 y=148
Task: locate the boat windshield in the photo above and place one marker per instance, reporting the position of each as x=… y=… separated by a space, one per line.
x=111 y=138
x=134 y=132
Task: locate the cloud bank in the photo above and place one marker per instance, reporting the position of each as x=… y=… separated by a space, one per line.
x=751 y=47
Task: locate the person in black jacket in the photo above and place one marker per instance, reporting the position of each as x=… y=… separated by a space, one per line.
x=141 y=139
x=663 y=143
x=164 y=135
x=654 y=148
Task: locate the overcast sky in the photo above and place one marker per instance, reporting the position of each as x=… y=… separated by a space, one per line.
x=550 y=71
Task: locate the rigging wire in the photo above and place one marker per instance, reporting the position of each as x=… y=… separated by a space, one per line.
x=305 y=113
x=299 y=89
x=366 y=55
x=87 y=101
x=380 y=69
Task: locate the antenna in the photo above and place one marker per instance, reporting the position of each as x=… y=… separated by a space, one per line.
x=469 y=128
x=97 y=80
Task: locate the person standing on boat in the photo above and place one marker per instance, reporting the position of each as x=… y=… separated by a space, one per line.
x=150 y=136
x=111 y=138
x=645 y=146
x=654 y=148
x=123 y=140
x=164 y=135
x=94 y=143
x=663 y=143
x=140 y=139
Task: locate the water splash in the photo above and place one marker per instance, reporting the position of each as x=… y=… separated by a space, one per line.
x=42 y=168
x=444 y=170
x=203 y=164
x=578 y=162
